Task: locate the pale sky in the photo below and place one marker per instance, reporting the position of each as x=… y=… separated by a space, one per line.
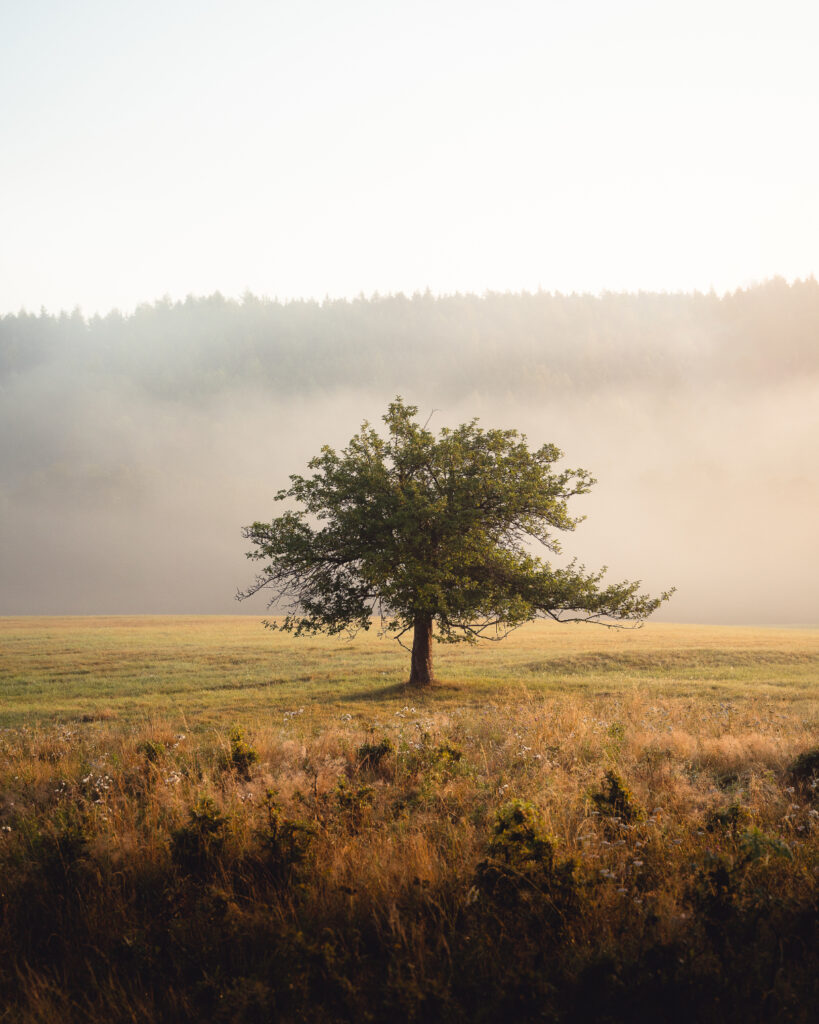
x=315 y=148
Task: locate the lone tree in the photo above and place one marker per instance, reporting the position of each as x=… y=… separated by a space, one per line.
x=431 y=532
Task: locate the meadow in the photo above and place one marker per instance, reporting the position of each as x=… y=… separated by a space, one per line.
x=204 y=820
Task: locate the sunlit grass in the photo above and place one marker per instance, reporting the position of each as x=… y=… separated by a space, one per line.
x=217 y=666
x=115 y=730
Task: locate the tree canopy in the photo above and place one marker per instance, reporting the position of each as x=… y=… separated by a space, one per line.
x=433 y=534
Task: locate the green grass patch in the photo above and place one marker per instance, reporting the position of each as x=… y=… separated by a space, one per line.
x=67 y=668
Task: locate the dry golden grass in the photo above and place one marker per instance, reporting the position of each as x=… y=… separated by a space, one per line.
x=387 y=915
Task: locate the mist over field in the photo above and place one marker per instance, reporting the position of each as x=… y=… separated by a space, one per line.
x=134 y=448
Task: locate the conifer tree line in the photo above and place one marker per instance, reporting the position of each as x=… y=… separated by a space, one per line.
x=523 y=343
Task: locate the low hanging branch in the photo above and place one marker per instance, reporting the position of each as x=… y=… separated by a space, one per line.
x=433 y=533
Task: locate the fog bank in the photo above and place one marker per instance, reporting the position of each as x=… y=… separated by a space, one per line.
x=133 y=450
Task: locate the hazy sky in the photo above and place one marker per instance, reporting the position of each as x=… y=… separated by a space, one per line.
x=316 y=147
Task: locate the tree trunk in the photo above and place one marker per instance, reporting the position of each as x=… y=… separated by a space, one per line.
x=421 y=665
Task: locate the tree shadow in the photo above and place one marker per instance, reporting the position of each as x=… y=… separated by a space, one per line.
x=399 y=691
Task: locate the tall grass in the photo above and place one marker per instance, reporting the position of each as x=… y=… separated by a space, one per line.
x=637 y=842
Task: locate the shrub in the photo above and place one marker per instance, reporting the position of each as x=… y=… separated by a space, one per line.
x=518 y=836
x=712 y=894
x=730 y=819
x=445 y=756
x=285 y=841
x=152 y=750
x=439 y=760
x=370 y=755
x=616 y=735
x=521 y=867
x=803 y=772
x=756 y=845
x=242 y=756
x=196 y=845
x=353 y=803
x=58 y=854
x=616 y=801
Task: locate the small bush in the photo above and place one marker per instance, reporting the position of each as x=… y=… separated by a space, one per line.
x=152 y=750
x=614 y=800
x=518 y=837
x=353 y=803
x=803 y=772
x=58 y=854
x=522 y=861
x=445 y=756
x=440 y=761
x=730 y=819
x=616 y=736
x=285 y=841
x=370 y=755
x=756 y=845
x=197 y=845
x=712 y=893
x=242 y=756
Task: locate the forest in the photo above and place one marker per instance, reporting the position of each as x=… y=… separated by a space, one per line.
x=189 y=350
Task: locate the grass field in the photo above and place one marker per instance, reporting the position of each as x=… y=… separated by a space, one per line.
x=204 y=820
x=212 y=669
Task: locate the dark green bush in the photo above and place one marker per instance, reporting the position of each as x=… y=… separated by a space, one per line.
x=803 y=772
x=354 y=803
x=242 y=756
x=197 y=845
x=756 y=845
x=521 y=863
x=371 y=755
x=438 y=760
x=518 y=837
x=730 y=819
x=614 y=799
x=58 y=854
x=285 y=841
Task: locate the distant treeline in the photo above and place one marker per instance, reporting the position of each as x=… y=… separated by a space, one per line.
x=524 y=343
